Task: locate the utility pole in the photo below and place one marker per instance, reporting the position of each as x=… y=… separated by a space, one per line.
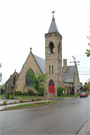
x=75 y=75
x=0 y=79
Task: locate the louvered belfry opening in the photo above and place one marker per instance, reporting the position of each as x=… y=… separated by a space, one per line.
x=51 y=47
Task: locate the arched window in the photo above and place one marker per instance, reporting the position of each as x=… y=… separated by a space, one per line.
x=14 y=80
x=29 y=81
x=51 y=82
x=59 y=49
x=51 y=48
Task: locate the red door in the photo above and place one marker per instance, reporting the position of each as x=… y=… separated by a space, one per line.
x=51 y=88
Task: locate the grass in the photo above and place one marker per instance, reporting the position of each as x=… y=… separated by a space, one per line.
x=67 y=96
x=19 y=96
x=34 y=104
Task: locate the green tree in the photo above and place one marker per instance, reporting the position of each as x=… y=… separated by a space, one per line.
x=60 y=90
x=38 y=80
x=2 y=88
x=87 y=50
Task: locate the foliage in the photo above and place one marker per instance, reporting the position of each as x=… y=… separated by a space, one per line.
x=60 y=90
x=4 y=102
x=34 y=94
x=38 y=80
x=21 y=100
x=14 y=102
x=30 y=92
x=41 y=92
x=87 y=50
x=2 y=88
x=25 y=100
x=7 y=95
x=15 y=98
x=18 y=92
x=86 y=86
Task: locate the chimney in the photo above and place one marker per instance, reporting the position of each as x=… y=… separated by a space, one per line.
x=65 y=65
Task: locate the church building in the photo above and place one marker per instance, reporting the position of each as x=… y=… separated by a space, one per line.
x=58 y=76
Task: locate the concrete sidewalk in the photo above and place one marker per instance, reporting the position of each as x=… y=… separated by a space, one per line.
x=85 y=130
x=4 y=106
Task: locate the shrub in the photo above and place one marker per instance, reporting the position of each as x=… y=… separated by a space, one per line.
x=15 y=98
x=25 y=100
x=39 y=99
x=35 y=99
x=60 y=90
x=3 y=97
x=34 y=94
x=32 y=99
x=18 y=92
x=7 y=95
x=30 y=92
x=12 y=97
x=4 y=102
x=21 y=100
x=14 y=102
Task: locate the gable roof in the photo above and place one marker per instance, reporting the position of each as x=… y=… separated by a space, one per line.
x=69 y=75
x=41 y=63
x=53 y=27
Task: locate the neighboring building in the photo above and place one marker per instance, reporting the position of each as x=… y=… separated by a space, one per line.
x=67 y=76
x=11 y=82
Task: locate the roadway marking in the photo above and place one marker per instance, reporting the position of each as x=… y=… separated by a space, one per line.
x=71 y=105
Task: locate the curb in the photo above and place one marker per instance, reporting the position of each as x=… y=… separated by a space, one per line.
x=39 y=104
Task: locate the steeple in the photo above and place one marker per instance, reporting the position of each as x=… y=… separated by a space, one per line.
x=53 y=26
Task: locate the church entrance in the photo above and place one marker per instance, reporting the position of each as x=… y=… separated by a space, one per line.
x=51 y=86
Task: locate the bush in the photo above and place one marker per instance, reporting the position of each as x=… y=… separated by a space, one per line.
x=25 y=100
x=34 y=94
x=12 y=97
x=14 y=102
x=18 y=92
x=3 y=97
x=30 y=92
x=32 y=100
x=7 y=95
x=4 y=102
x=60 y=90
x=39 y=99
x=25 y=93
x=21 y=100
x=15 y=98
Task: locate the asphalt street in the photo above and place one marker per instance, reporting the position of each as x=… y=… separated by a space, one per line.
x=67 y=117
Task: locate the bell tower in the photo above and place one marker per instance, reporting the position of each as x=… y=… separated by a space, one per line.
x=53 y=53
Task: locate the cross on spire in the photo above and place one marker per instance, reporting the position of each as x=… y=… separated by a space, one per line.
x=53 y=14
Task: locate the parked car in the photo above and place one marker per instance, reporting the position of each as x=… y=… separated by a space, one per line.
x=83 y=94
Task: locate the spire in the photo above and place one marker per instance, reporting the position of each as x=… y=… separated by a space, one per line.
x=53 y=26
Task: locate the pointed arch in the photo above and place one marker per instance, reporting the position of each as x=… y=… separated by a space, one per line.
x=51 y=82
x=28 y=80
x=51 y=48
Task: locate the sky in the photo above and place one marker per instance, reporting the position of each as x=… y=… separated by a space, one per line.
x=24 y=23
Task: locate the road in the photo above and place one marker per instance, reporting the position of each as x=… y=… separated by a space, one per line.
x=67 y=117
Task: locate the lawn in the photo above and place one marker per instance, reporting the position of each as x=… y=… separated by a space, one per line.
x=34 y=104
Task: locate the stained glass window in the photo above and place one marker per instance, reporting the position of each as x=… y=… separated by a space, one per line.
x=29 y=81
